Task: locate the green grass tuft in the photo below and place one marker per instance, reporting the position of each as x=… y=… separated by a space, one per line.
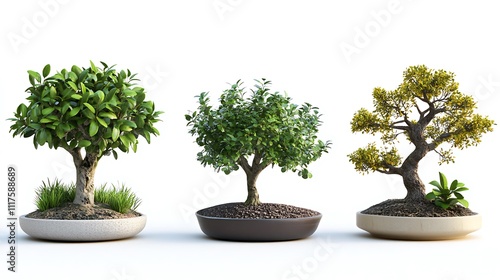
x=54 y=194
x=119 y=199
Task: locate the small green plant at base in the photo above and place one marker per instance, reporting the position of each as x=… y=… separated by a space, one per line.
x=119 y=199
x=444 y=196
x=55 y=194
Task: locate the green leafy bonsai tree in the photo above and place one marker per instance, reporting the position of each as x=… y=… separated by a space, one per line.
x=429 y=111
x=92 y=110
x=265 y=125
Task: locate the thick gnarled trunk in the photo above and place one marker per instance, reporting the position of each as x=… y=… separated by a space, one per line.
x=409 y=171
x=415 y=188
x=85 y=171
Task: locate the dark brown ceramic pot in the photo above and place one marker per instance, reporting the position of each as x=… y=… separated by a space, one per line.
x=258 y=229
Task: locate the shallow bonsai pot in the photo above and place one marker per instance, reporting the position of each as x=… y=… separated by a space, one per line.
x=258 y=229
x=418 y=228
x=82 y=230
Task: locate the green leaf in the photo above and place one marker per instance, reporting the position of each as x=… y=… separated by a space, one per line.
x=139 y=122
x=88 y=114
x=115 y=134
x=46 y=70
x=92 y=66
x=453 y=185
x=461 y=189
x=73 y=85
x=73 y=143
x=430 y=196
x=65 y=108
x=102 y=122
x=464 y=202
x=140 y=95
x=53 y=92
x=76 y=96
x=42 y=137
x=35 y=126
x=83 y=87
x=444 y=182
x=91 y=108
x=60 y=132
x=47 y=111
x=100 y=95
x=73 y=77
x=46 y=120
x=436 y=184
x=93 y=128
x=125 y=140
x=84 y=143
x=442 y=204
x=146 y=136
x=74 y=111
x=35 y=75
x=22 y=110
x=129 y=93
x=109 y=115
x=125 y=127
x=129 y=123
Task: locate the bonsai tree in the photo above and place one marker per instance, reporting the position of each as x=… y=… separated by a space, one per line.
x=89 y=112
x=264 y=125
x=429 y=111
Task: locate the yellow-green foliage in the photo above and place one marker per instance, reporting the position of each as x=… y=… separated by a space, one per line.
x=428 y=109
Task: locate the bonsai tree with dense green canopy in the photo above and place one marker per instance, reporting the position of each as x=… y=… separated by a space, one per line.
x=95 y=110
x=266 y=126
x=430 y=112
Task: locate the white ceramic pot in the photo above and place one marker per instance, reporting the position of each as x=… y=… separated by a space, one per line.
x=418 y=228
x=82 y=230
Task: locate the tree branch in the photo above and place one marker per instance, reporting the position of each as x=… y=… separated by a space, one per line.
x=400 y=127
x=418 y=109
x=401 y=121
x=86 y=136
x=75 y=153
x=257 y=157
x=439 y=139
x=243 y=162
x=389 y=170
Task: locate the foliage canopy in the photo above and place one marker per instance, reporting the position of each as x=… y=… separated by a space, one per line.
x=97 y=109
x=428 y=110
x=266 y=125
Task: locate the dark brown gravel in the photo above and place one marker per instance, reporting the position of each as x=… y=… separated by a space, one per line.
x=263 y=211
x=403 y=208
x=72 y=211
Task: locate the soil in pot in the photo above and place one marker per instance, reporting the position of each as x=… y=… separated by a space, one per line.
x=71 y=211
x=261 y=211
x=404 y=208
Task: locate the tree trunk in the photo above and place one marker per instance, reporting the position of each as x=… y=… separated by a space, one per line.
x=253 y=195
x=85 y=170
x=414 y=186
x=409 y=171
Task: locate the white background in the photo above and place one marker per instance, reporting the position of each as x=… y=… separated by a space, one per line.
x=329 y=53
